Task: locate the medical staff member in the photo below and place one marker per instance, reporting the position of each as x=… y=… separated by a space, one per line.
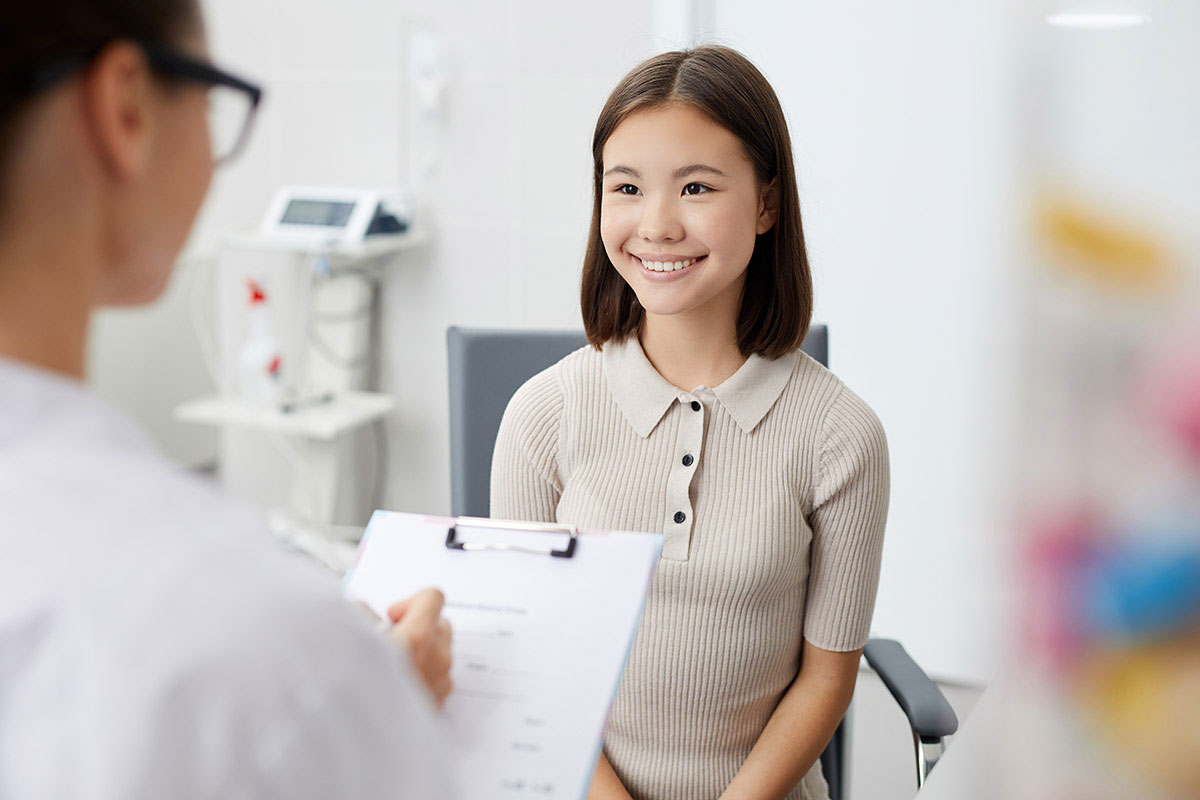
x=154 y=642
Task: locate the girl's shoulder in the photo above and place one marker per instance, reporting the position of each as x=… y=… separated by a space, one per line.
x=812 y=374
x=545 y=393
x=830 y=399
x=813 y=387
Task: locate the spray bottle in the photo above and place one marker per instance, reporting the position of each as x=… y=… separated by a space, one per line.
x=261 y=360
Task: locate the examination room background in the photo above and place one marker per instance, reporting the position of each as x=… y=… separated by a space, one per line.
x=903 y=150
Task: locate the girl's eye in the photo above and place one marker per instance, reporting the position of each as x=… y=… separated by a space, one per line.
x=696 y=188
x=626 y=188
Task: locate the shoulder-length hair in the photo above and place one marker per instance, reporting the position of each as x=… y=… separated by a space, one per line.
x=776 y=304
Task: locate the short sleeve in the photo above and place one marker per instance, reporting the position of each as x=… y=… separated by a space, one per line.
x=850 y=505
x=526 y=484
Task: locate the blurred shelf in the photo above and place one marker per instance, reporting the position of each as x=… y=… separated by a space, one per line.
x=370 y=248
x=324 y=421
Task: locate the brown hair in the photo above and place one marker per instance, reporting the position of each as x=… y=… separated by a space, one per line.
x=33 y=35
x=776 y=304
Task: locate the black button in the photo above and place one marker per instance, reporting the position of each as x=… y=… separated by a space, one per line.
x=695 y=406
x=687 y=460
x=680 y=517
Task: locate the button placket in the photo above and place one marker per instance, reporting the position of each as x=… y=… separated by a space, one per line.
x=680 y=519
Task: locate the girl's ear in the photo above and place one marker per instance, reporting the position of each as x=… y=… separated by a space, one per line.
x=768 y=206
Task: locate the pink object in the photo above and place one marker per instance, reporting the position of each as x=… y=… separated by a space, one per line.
x=1062 y=542
x=1171 y=394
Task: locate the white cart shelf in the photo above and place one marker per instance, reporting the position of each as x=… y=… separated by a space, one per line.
x=315 y=432
x=324 y=421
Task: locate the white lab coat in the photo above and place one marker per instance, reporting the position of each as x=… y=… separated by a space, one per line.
x=156 y=643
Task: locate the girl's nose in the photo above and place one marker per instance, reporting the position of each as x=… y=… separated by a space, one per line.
x=659 y=223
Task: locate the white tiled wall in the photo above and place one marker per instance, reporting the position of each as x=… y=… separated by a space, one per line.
x=333 y=105
x=511 y=200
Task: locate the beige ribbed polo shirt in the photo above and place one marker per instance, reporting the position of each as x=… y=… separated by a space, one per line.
x=771 y=491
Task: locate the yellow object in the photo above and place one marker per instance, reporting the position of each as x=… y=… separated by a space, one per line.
x=1145 y=702
x=1110 y=252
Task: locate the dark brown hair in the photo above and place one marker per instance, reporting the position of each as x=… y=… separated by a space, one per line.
x=776 y=304
x=36 y=33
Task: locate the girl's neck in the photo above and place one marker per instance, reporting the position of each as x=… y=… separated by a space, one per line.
x=694 y=349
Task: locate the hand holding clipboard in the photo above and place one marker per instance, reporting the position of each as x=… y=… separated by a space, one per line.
x=537 y=656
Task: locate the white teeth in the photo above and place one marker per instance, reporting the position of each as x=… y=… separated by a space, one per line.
x=668 y=266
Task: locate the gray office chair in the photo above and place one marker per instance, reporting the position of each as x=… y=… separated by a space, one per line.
x=487 y=366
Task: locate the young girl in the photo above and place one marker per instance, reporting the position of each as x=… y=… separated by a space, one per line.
x=695 y=415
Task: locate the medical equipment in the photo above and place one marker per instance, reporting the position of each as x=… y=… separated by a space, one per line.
x=335 y=216
x=307 y=439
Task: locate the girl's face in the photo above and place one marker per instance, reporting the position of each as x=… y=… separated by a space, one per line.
x=680 y=209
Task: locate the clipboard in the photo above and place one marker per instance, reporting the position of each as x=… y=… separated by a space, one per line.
x=543 y=618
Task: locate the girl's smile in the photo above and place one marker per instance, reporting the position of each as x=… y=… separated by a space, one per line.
x=659 y=267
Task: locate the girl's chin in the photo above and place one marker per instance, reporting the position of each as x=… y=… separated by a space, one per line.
x=664 y=307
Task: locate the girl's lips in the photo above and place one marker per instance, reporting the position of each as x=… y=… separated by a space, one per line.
x=656 y=276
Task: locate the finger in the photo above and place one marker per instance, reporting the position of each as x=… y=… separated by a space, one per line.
x=443 y=667
x=423 y=609
x=397 y=610
x=444 y=689
x=441 y=656
x=398 y=636
x=444 y=652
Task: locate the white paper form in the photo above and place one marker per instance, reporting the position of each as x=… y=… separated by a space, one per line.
x=540 y=643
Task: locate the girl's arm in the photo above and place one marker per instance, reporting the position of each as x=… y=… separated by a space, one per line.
x=605 y=783
x=850 y=502
x=801 y=726
x=526 y=486
x=525 y=476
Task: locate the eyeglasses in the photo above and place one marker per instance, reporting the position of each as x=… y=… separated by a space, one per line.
x=232 y=102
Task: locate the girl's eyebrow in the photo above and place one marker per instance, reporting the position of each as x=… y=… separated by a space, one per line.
x=682 y=172
x=630 y=171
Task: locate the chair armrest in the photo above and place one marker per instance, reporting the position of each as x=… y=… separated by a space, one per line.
x=928 y=712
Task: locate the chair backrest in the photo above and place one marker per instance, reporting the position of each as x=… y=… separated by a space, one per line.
x=487 y=366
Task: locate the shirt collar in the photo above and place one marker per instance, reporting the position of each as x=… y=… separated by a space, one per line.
x=35 y=402
x=644 y=396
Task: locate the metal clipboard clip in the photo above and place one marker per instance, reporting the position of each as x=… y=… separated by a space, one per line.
x=453 y=542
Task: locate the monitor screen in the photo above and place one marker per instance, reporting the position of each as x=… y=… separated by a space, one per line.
x=317 y=212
